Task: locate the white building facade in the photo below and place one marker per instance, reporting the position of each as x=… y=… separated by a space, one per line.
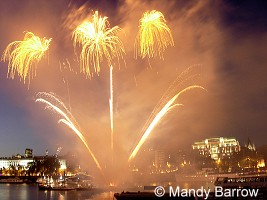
x=217 y=148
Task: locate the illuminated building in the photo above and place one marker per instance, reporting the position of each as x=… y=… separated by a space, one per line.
x=217 y=148
x=28 y=153
x=250 y=145
x=166 y=161
x=23 y=162
x=17 y=161
x=63 y=164
x=260 y=163
x=160 y=158
x=6 y=163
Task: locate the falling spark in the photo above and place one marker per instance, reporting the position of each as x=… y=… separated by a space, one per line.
x=111 y=111
x=65 y=77
x=185 y=80
x=97 y=41
x=192 y=73
x=68 y=64
x=154 y=36
x=23 y=55
x=66 y=119
x=158 y=117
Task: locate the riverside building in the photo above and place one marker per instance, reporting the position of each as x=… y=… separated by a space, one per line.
x=217 y=148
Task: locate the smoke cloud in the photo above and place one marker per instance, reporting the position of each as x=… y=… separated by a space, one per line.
x=227 y=39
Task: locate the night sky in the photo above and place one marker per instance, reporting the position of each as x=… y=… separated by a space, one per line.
x=227 y=38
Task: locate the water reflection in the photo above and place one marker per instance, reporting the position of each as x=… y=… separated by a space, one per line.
x=31 y=191
x=79 y=195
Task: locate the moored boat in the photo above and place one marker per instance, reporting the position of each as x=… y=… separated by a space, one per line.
x=77 y=182
x=242 y=182
x=80 y=182
x=11 y=180
x=145 y=195
x=201 y=177
x=49 y=187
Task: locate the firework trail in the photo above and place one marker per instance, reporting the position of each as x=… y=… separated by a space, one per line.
x=158 y=117
x=97 y=41
x=111 y=110
x=65 y=76
x=153 y=37
x=23 y=55
x=188 y=76
x=66 y=119
x=166 y=105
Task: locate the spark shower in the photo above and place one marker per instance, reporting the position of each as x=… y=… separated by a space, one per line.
x=96 y=42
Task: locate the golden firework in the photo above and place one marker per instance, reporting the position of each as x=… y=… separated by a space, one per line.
x=97 y=41
x=67 y=118
x=182 y=84
x=154 y=36
x=169 y=105
x=22 y=55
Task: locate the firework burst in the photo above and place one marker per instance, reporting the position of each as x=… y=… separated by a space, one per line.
x=154 y=36
x=23 y=55
x=97 y=41
x=66 y=119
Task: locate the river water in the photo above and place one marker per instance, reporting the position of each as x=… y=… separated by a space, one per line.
x=31 y=192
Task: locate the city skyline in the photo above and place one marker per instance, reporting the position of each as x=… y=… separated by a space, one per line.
x=227 y=39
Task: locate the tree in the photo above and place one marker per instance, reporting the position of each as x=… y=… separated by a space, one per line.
x=51 y=165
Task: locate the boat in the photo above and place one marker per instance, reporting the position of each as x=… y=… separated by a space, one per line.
x=242 y=187
x=84 y=187
x=50 y=184
x=134 y=195
x=77 y=182
x=49 y=187
x=145 y=195
x=80 y=182
x=11 y=180
x=242 y=182
x=202 y=177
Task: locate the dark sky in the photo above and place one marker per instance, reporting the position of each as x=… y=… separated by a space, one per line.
x=227 y=38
